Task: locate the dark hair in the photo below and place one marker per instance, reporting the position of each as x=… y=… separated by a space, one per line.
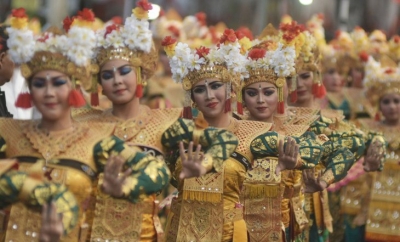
x=3 y=38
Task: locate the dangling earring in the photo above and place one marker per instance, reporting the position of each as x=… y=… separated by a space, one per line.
x=187 y=107
x=24 y=99
x=139 y=86
x=239 y=100
x=228 y=98
x=75 y=98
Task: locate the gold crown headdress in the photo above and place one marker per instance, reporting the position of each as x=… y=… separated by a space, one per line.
x=381 y=78
x=70 y=53
x=307 y=55
x=378 y=44
x=131 y=42
x=273 y=62
x=394 y=48
x=316 y=27
x=167 y=24
x=189 y=66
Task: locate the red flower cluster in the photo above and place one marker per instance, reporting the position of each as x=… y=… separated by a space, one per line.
x=144 y=4
x=201 y=17
x=67 y=22
x=19 y=13
x=168 y=41
x=244 y=32
x=291 y=30
x=229 y=35
x=363 y=56
x=110 y=28
x=321 y=16
x=389 y=71
x=202 y=51
x=396 y=39
x=43 y=38
x=173 y=29
x=214 y=35
x=86 y=14
x=337 y=34
x=116 y=20
x=257 y=53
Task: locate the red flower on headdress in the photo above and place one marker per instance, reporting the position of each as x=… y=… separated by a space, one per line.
x=67 y=22
x=396 y=39
x=168 y=41
x=86 y=14
x=116 y=20
x=214 y=35
x=145 y=5
x=110 y=29
x=201 y=17
x=19 y=13
x=202 y=51
x=244 y=32
x=257 y=53
x=321 y=16
x=337 y=34
x=173 y=29
x=229 y=35
x=44 y=38
x=363 y=56
x=291 y=30
x=162 y=13
x=1 y=47
x=389 y=71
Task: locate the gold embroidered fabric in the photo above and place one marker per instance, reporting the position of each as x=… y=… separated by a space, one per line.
x=262 y=200
x=302 y=116
x=144 y=130
x=199 y=219
x=74 y=144
x=384 y=209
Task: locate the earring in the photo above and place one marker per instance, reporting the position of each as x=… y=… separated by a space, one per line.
x=194 y=105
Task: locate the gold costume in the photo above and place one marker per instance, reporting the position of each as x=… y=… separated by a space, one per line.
x=153 y=130
x=208 y=208
x=384 y=204
x=68 y=161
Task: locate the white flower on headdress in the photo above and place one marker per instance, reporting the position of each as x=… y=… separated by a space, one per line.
x=284 y=60
x=281 y=60
x=81 y=44
x=195 y=62
x=21 y=44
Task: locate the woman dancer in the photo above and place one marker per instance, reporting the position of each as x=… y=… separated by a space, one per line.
x=127 y=57
x=67 y=152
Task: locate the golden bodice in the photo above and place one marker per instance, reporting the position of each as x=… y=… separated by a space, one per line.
x=384 y=208
x=68 y=157
x=196 y=193
x=144 y=131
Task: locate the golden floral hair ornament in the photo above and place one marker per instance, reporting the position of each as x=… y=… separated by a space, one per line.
x=381 y=78
x=394 y=48
x=378 y=44
x=189 y=66
x=131 y=42
x=291 y=34
x=68 y=53
x=316 y=27
x=271 y=65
